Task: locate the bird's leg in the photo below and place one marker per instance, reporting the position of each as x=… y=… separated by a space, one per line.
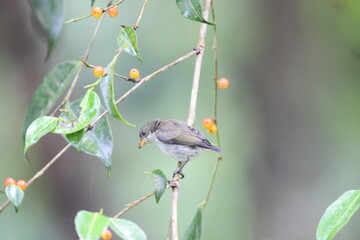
x=179 y=169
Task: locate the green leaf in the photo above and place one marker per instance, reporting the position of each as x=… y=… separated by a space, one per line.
x=89 y=109
x=75 y=138
x=193 y=232
x=15 y=195
x=50 y=14
x=338 y=214
x=127 y=40
x=126 y=229
x=90 y=225
x=97 y=142
x=191 y=9
x=39 y=128
x=49 y=91
x=160 y=183
x=92 y=2
x=107 y=90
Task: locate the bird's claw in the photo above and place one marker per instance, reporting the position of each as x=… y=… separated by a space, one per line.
x=178 y=171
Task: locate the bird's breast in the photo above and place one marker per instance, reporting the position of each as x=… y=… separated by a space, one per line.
x=179 y=152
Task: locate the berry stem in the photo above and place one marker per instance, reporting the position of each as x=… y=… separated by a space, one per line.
x=126 y=78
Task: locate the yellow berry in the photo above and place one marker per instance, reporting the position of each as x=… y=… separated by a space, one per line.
x=21 y=184
x=106 y=235
x=98 y=71
x=213 y=129
x=113 y=12
x=97 y=12
x=134 y=73
x=9 y=181
x=223 y=82
x=207 y=123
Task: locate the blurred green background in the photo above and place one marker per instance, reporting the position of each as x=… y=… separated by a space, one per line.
x=289 y=122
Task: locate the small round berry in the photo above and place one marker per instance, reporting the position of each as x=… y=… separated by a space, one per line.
x=21 y=184
x=223 y=82
x=106 y=235
x=113 y=12
x=207 y=123
x=213 y=129
x=98 y=71
x=134 y=73
x=9 y=181
x=97 y=12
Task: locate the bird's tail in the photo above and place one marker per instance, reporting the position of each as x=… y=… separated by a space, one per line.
x=215 y=148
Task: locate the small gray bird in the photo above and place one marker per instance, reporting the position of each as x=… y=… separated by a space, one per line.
x=177 y=139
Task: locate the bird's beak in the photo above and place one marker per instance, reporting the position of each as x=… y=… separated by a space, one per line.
x=142 y=143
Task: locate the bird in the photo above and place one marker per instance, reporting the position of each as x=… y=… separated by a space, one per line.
x=177 y=139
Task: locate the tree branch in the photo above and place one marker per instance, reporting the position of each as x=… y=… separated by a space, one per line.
x=191 y=117
x=136 y=26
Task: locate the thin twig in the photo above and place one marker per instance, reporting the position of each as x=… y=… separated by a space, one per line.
x=41 y=172
x=133 y=204
x=89 y=15
x=86 y=55
x=136 y=26
x=198 y=64
x=191 y=116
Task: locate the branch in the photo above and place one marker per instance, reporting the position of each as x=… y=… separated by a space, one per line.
x=39 y=173
x=191 y=118
x=74 y=81
x=136 y=26
x=198 y=63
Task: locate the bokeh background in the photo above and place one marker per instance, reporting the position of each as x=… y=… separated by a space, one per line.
x=289 y=122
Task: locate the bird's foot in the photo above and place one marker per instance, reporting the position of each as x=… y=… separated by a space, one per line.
x=178 y=171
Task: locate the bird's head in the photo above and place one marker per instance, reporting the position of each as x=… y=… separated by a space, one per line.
x=146 y=133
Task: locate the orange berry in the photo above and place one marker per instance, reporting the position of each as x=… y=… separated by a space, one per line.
x=207 y=123
x=9 y=181
x=106 y=235
x=113 y=12
x=97 y=12
x=21 y=184
x=98 y=71
x=223 y=82
x=213 y=129
x=134 y=73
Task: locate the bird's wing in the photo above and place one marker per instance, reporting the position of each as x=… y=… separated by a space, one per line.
x=176 y=132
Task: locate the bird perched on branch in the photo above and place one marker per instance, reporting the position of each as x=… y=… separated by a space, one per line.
x=177 y=139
